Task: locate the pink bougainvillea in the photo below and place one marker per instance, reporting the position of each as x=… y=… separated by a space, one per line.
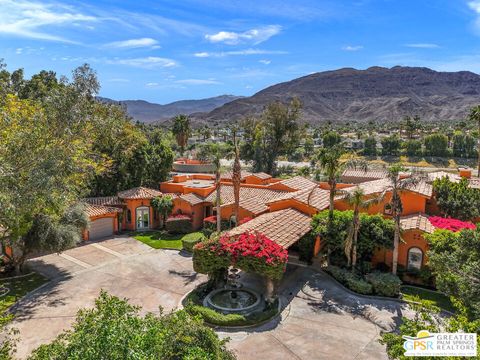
x=450 y=224
x=244 y=220
x=253 y=244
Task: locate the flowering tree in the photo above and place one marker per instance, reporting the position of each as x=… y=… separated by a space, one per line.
x=251 y=251
x=450 y=224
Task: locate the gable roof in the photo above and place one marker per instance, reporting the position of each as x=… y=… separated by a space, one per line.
x=139 y=193
x=99 y=210
x=191 y=198
x=297 y=183
x=285 y=227
x=441 y=174
x=104 y=200
x=314 y=197
x=416 y=222
x=262 y=195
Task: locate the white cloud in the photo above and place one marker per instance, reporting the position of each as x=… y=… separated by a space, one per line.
x=352 y=47
x=152 y=84
x=198 y=82
x=239 y=52
x=423 y=46
x=27 y=18
x=150 y=62
x=254 y=36
x=18 y=51
x=134 y=43
x=265 y=62
x=475 y=6
x=118 y=80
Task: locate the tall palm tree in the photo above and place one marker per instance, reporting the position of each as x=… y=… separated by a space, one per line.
x=357 y=200
x=396 y=187
x=474 y=117
x=181 y=130
x=236 y=179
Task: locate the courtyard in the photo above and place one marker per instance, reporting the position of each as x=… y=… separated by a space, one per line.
x=320 y=320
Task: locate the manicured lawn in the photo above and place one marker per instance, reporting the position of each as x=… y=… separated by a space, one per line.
x=438 y=299
x=164 y=240
x=18 y=288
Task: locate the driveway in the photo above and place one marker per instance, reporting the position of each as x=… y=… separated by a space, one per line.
x=320 y=319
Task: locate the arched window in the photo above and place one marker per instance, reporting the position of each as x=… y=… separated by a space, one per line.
x=129 y=216
x=414 y=259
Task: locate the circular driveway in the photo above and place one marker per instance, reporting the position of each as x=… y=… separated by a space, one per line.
x=320 y=320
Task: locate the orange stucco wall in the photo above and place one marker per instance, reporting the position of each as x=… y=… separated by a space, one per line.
x=291 y=203
x=411 y=238
x=413 y=203
x=132 y=205
x=227 y=213
x=196 y=212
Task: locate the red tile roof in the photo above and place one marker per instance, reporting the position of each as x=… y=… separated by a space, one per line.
x=298 y=183
x=356 y=176
x=262 y=195
x=104 y=200
x=416 y=222
x=381 y=185
x=262 y=175
x=99 y=210
x=228 y=175
x=285 y=227
x=191 y=198
x=139 y=193
x=314 y=197
x=252 y=205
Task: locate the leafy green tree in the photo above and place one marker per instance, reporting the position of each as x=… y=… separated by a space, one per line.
x=426 y=317
x=436 y=145
x=391 y=145
x=370 y=148
x=181 y=129
x=164 y=206
x=411 y=125
x=331 y=138
x=464 y=145
x=274 y=134
x=457 y=199
x=114 y=329
x=455 y=261
x=474 y=117
x=413 y=147
x=308 y=146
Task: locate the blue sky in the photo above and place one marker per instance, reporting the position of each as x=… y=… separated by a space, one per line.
x=168 y=50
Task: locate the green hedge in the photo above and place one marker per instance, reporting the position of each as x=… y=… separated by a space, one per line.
x=188 y=241
x=213 y=317
x=385 y=284
x=179 y=226
x=350 y=280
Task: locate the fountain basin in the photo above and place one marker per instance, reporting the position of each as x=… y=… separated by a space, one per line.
x=242 y=301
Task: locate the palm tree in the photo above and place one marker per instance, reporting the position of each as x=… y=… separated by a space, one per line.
x=181 y=130
x=236 y=179
x=397 y=186
x=331 y=163
x=164 y=206
x=213 y=153
x=474 y=117
x=356 y=199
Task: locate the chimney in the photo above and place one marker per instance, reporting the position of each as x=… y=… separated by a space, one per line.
x=465 y=173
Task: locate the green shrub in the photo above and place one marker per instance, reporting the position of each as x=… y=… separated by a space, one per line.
x=305 y=247
x=385 y=284
x=179 y=225
x=359 y=285
x=338 y=273
x=188 y=241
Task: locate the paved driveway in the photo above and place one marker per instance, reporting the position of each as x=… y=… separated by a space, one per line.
x=320 y=321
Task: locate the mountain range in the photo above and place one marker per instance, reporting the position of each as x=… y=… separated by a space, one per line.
x=377 y=93
x=147 y=112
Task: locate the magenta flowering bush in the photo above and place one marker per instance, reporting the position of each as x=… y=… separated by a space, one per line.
x=450 y=224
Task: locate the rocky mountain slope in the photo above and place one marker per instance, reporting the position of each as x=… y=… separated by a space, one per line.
x=377 y=93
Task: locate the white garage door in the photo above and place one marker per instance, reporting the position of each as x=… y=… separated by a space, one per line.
x=101 y=228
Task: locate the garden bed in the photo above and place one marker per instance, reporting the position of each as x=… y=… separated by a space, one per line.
x=165 y=240
x=193 y=304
